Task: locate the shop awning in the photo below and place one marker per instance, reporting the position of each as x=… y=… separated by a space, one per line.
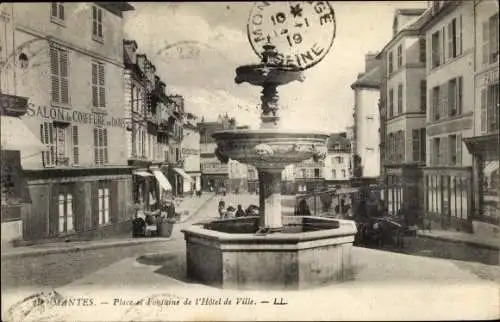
x=15 y=135
x=142 y=173
x=162 y=180
x=184 y=174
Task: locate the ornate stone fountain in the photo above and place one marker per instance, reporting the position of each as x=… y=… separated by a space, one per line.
x=271 y=250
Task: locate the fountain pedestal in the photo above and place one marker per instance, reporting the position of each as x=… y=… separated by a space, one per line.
x=270 y=199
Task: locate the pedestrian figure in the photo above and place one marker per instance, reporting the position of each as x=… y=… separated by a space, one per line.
x=138 y=226
x=240 y=212
x=303 y=209
x=230 y=212
x=222 y=209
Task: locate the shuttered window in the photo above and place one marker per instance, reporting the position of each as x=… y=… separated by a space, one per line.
x=59 y=70
x=484 y=110
x=100 y=146
x=57 y=11
x=97 y=16
x=98 y=85
x=47 y=136
x=400 y=99
x=400 y=56
x=423 y=95
x=76 y=151
x=435 y=50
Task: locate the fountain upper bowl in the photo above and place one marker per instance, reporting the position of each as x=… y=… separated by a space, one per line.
x=261 y=74
x=270 y=148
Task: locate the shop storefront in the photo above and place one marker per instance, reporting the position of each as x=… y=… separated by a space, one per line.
x=448 y=197
x=17 y=143
x=485 y=150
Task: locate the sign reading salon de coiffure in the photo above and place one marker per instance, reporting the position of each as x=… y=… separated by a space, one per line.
x=53 y=113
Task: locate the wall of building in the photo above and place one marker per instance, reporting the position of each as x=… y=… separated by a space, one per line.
x=335 y=169
x=368 y=122
x=463 y=66
x=94 y=199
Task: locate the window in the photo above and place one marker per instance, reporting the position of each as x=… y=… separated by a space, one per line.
x=435 y=103
x=65 y=211
x=455 y=149
x=47 y=136
x=422 y=52
x=490 y=40
x=334 y=173
x=423 y=95
x=455 y=96
x=59 y=76
x=400 y=56
x=489 y=108
x=103 y=197
x=302 y=173
x=100 y=146
x=418 y=144
x=316 y=173
x=436 y=50
x=400 y=99
x=436 y=151
x=76 y=151
x=97 y=23
x=98 y=85
x=53 y=135
x=57 y=12
x=400 y=146
x=343 y=173
x=391 y=102
x=389 y=63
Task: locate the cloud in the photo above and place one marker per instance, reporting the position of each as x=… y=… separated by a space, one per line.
x=324 y=101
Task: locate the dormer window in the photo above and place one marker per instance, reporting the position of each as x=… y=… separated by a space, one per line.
x=97 y=17
x=57 y=13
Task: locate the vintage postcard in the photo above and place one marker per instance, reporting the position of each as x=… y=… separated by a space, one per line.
x=248 y=161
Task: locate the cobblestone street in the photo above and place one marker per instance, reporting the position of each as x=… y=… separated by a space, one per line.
x=64 y=268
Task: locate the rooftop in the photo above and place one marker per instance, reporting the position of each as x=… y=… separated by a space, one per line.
x=371 y=79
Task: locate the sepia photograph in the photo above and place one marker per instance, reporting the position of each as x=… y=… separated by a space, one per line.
x=250 y=161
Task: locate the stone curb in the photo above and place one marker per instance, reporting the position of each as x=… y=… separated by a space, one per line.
x=460 y=241
x=196 y=211
x=70 y=249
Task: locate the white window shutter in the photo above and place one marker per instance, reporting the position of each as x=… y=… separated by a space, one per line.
x=459 y=149
x=95 y=90
x=54 y=71
x=460 y=36
x=64 y=76
x=102 y=93
x=484 y=115
x=486 y=37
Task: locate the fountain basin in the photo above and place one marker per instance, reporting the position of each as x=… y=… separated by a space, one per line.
x=270 y=148
x=262 y=74
x=308 y=251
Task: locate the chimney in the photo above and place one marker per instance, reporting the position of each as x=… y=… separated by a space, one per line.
x=370 y=61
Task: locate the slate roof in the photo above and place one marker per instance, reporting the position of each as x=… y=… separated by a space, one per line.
x=371 y=79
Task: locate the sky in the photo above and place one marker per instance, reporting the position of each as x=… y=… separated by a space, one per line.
x=196 y=48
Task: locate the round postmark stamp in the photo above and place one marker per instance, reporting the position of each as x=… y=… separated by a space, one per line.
x=301 y=31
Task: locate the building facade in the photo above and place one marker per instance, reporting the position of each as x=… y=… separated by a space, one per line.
x=338 y=162
x=214 y=174
x=191 y=154
x=449 y=34
x=309 y=175
x=69 y=63
x=403 y=93
x=366 y=118
x=484 y=144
